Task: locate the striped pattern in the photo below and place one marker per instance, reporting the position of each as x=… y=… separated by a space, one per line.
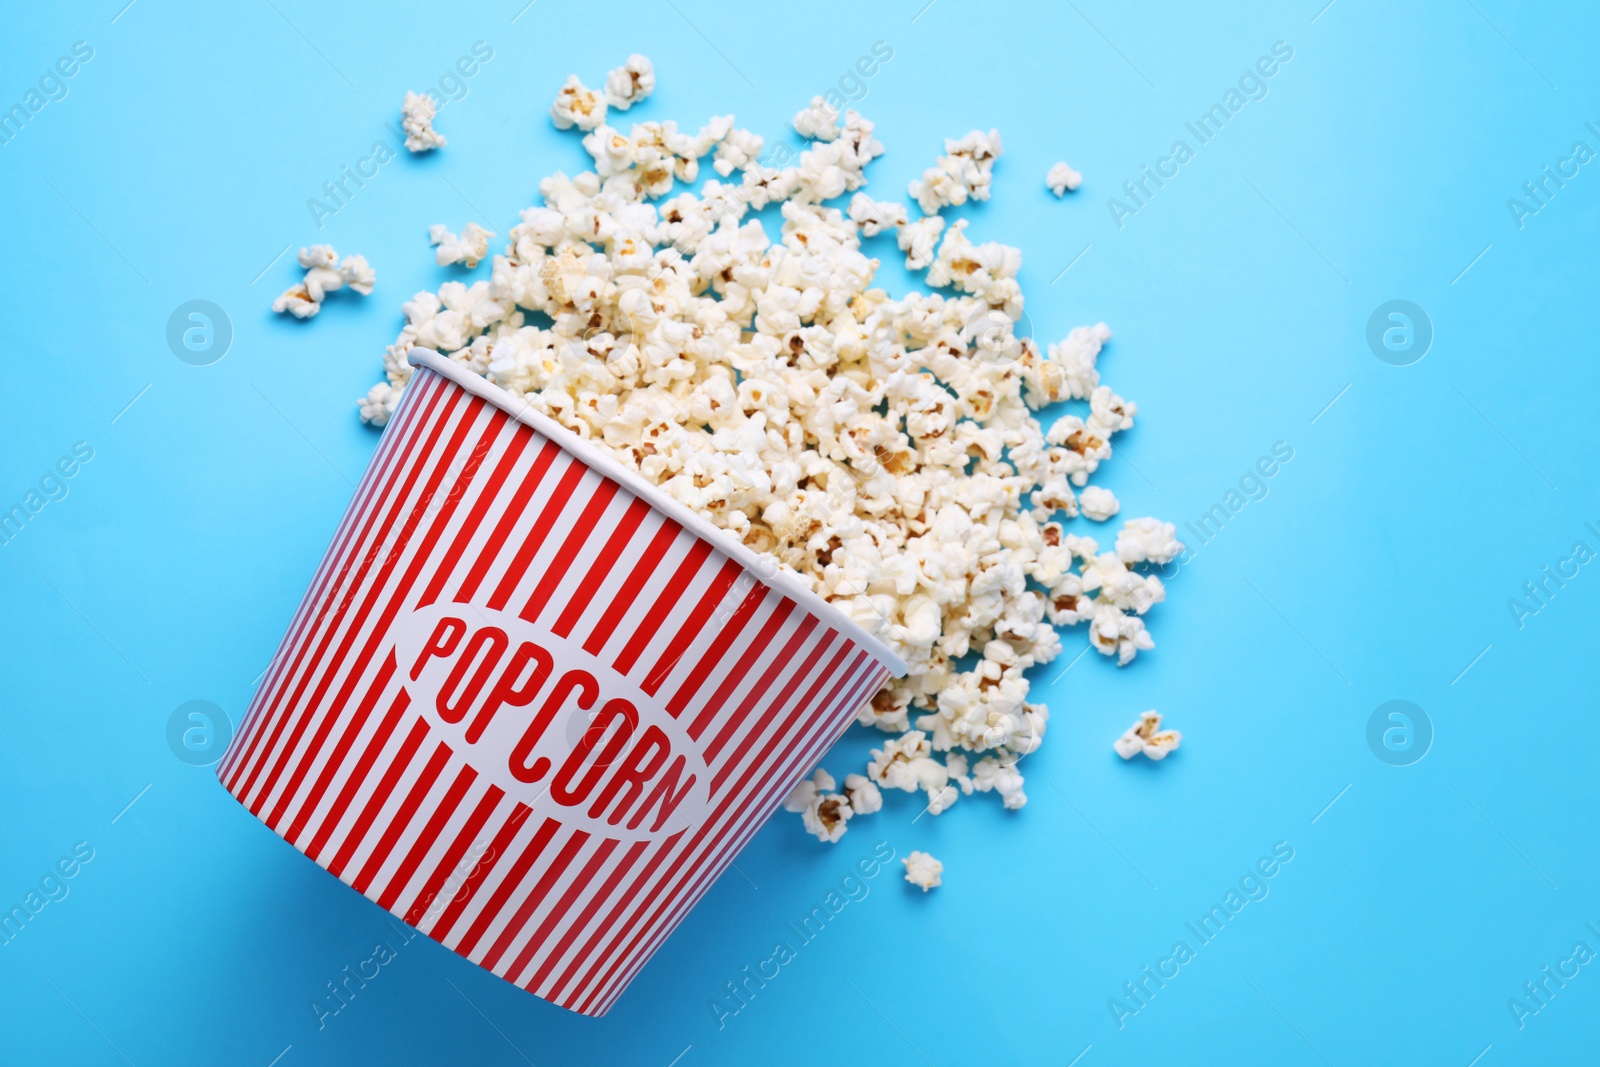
x=463 y=504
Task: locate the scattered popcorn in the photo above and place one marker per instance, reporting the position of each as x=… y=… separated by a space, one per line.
x=629 y=84
x=1097 y=503
x=923 y=870
x=962 y=173
x=1147 y=736
x=324 y=274
x=468 y=249
x=1062 y=178
x=417 y=119
x=883 y=448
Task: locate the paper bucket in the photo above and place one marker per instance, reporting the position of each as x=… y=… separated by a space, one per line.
x=530 y=704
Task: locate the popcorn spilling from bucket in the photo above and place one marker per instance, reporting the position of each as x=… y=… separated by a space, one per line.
x=882 y=448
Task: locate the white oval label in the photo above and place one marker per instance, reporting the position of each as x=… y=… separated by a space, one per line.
x=551 y=724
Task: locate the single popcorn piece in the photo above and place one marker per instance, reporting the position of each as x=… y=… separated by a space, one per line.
x=630 y=83
x=577 y=106
x=923 y=870
x=469 y=249
x=1063 y=178
x=824 y=812
x=358 y=275
x=875 y=216
x=883 y=448
x=917 y=240
x=818 y=120
x=1147 y=736
x=324 y=274
x=379 y=403
x=416 y=118
x=865 y=797
x=1148 y=541
x=1097 y=503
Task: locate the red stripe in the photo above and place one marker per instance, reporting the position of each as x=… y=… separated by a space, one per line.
x=489 y=494
x=515 y=508
x=665 y=535
x=536 y=536
x=378 y=471
x=604 y=892
x=730 y=840
x=692 y=626
x=615 y=548
x=400 y=818
x=379 y=632
x=663 y=606
x=342 y=615
x=508 y=885
x=752 y=654
x=359 y=773
x=681 y=902
x=774 y=780
x=561 y=563
x=341 y=750
x=710 y=830
x=738 y=724
x=428 y=836
x=380 y=796
x=534 y=896
x=559 y=913
x=497 y=848
x=330 y=620
x=448 y=862
x=345 y=551
x=713 y=655
x=701 y=873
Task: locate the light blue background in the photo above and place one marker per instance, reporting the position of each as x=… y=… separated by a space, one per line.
x=1378 y=568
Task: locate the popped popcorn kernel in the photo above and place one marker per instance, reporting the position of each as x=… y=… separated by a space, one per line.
x=1062 y=179
x=630 y=83
x=1147 y=736
x=416 y=118
x=923 y=871
x=469 y=248
x=577 y=105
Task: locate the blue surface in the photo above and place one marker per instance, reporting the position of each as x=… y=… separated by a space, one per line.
x=1378 y=566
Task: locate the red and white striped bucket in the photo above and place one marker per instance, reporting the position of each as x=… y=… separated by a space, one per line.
x=532 y=705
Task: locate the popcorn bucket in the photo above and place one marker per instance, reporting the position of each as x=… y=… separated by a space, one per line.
x=533 y=706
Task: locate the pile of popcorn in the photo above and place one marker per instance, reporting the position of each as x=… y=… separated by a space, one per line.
x=884 y=449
